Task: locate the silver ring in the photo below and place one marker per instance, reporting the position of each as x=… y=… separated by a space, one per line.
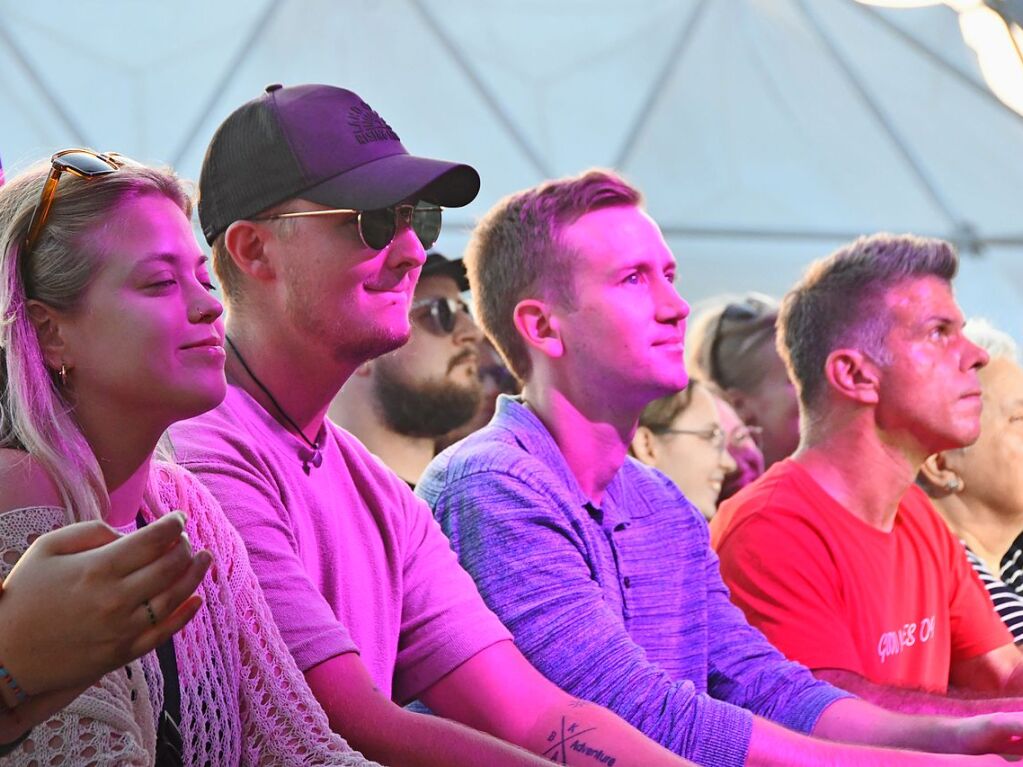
x=149 y=612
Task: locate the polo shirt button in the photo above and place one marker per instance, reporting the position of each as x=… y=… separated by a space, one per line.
x=627 y=581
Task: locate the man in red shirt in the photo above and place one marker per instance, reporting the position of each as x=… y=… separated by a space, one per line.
x=834 y=553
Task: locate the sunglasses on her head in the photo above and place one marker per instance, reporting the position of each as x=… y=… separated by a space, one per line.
x=735 y=315
x=441 y=313
x=378 y=227
x=83 y=163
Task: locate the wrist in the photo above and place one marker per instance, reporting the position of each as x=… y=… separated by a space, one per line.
x=10 y=691
x=7 y=748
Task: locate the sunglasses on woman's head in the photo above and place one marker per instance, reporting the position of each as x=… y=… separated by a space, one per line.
x=83 y=163
x=442 y=314
x=378 y=227
x=733 y=317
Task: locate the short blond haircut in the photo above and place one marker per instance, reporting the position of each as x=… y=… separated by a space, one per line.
x=516 y=252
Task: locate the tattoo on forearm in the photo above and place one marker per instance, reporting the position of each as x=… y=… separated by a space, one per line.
x=569 y=739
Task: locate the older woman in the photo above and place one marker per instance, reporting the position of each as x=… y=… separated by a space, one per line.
x=979 y=489
x=109 y=334
x=681 y=435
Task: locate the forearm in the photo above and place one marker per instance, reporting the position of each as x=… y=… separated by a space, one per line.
x=958 y=702
x=574 y=732
x=857 y=721
x=774 y=746
x=15 y=723
x=419 y=740
x=389 y=734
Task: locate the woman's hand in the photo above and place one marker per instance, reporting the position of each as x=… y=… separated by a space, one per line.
x=84 y=600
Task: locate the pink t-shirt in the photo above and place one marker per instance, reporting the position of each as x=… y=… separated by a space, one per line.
x=348 y=558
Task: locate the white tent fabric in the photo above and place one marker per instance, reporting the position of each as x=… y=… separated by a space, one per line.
x=763 y=132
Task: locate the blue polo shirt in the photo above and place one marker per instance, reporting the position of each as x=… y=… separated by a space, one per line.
x=622 y=605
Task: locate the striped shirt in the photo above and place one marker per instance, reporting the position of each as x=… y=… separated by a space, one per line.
x=1008 y=603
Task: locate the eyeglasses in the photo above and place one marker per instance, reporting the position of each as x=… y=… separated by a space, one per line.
x=83 y=163
x=717 y=437
x=443 y=313
x=378 y=227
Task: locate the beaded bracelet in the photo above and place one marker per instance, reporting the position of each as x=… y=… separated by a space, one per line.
x=12 y=685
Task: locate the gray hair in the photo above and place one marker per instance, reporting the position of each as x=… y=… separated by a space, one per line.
x=839 y=302
x=997 y=343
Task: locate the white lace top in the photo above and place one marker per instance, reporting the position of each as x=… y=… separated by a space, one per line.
x=243 y=700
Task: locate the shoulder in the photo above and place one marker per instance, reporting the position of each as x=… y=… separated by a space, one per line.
x=919 y=521
x=780 y=494
x=491 y=459
x=920 y=518
x=916 y=505
x=234 y=427
x=25 y=483
x=176 y=488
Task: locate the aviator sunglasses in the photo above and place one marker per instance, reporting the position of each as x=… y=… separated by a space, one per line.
x=378 y=227
x=83 y=163
x=443 y=313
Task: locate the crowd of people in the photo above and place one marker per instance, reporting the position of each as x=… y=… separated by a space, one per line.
x=333 y=515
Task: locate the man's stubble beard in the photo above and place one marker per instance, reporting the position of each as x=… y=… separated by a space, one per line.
x=337 y=334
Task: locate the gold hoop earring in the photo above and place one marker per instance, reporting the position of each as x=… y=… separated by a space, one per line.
x=63 y=374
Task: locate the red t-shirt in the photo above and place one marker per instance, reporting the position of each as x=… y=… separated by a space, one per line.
x=831 y=591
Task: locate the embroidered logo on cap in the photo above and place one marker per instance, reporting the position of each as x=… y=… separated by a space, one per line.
x=369 y=126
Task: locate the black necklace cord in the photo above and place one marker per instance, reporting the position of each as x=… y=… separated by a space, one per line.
x=311 y=458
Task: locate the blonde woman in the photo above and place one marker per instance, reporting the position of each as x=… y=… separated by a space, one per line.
x=110 y=333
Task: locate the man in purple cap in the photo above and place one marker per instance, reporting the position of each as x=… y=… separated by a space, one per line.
x=319 y=220
x=399 y=404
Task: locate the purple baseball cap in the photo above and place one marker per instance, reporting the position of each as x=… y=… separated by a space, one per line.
x=323 y=144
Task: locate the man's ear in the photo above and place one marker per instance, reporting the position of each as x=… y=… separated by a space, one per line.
x=538 y=327
x=853 y=375
x=47 y=322
x=245 y=242
x=644 y=446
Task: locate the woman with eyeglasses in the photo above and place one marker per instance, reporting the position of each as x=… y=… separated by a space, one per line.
x=681 y=435
x=110 y=334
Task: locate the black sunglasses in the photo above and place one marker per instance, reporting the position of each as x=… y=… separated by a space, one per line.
x=442 y=313
x=83 y=163
x=378 y=227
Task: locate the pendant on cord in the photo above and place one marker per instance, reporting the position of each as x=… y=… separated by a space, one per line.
x=311 y=457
